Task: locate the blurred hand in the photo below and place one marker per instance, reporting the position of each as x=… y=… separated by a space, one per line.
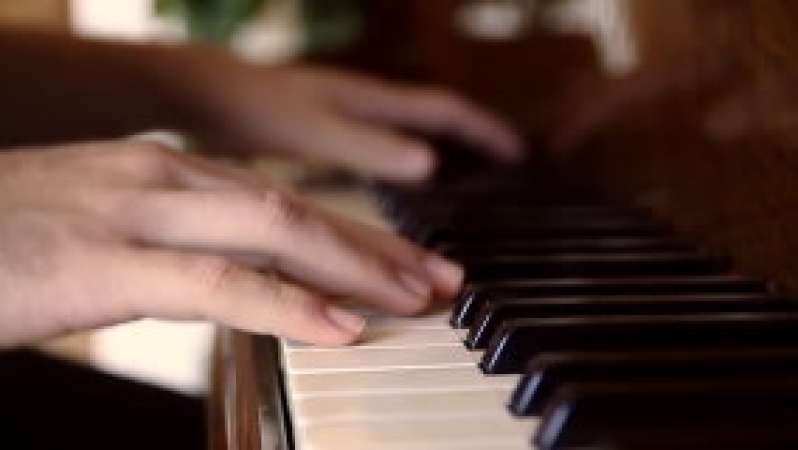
x=101 y=233
x=337 y=118
x=594 y=105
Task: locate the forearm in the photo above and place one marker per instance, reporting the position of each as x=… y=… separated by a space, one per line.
x=57 y=87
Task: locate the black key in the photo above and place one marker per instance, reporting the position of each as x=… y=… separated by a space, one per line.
x=492 y=268
x=467 y=250
x=493 y=314
x=680 y=414
x=544 y=374
x=498 y=232
x=534 y=224
x=474 y=297
x=468 y=213
x=519 y=340
x=774 y=433
x=419 y=201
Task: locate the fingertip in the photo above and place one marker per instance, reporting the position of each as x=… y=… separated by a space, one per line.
x=319 y=322
x=325 y=324
x=448 y=276
x=500 y=140
x=415 y=162
x=345 y=320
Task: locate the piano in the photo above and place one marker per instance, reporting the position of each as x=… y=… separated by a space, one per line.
x=640 y=295
x=585 y=324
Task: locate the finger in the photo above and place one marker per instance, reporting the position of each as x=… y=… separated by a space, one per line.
x=436 y=112
x=284 y=235
x=365 y=149
x=146 y=163
x=446 y=276
x=620 y=100
x=185 y=286
x=204 y=174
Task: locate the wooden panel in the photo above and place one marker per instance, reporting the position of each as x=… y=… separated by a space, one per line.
x=52 y=14
x=738 y=193
x=234 y=400
x=245 y=404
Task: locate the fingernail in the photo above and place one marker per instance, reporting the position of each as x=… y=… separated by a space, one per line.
x=345 y=320
x=445 y=271
x=415 y=285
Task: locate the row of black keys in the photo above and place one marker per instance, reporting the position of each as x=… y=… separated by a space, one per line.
x=625 y=336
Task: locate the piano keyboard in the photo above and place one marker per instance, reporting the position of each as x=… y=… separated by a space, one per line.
x=584 y=325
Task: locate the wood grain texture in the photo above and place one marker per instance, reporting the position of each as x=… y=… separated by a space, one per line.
x=234 y=400
x=739 y=194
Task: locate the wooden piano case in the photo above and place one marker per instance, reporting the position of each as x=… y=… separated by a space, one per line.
x=246 y=408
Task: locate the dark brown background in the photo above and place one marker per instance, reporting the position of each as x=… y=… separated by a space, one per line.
x=738 y=193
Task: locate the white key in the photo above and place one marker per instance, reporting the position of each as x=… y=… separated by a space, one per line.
x=408 y=385
x=438 y=320
x=361 y=408
x=381 y=328
x=364 y=359
x=381 y=337
x=485 y=432
x=439 y=379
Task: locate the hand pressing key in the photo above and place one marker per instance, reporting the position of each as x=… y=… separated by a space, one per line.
x=100 y=233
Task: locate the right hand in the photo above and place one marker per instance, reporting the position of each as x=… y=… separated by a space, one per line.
x=101 y=233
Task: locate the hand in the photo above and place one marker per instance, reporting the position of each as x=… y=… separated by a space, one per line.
x=593 y=105
x=334 y=117
x=102 y=233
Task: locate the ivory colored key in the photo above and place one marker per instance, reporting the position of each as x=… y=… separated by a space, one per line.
x=408 y=384
x=437 y=379
x=423 y=433
x=438 y=320
x=389 y=337
x=400 y=358
x=389 y=330
x=360 y=408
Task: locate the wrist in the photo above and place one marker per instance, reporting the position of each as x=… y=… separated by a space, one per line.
x=184 y=80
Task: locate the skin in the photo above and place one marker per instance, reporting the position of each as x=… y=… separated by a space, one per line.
x=104 y=90
x=100 y=233
x=104 y=231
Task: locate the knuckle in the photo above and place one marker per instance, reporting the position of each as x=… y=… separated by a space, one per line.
x=291 y=300
x=213 y=274
x=279 y=209
x=144 y=158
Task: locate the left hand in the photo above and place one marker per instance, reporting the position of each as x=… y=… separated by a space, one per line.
x=333 y=117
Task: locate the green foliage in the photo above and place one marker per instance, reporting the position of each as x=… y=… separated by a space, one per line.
x=214 y=21
x=331 y=24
